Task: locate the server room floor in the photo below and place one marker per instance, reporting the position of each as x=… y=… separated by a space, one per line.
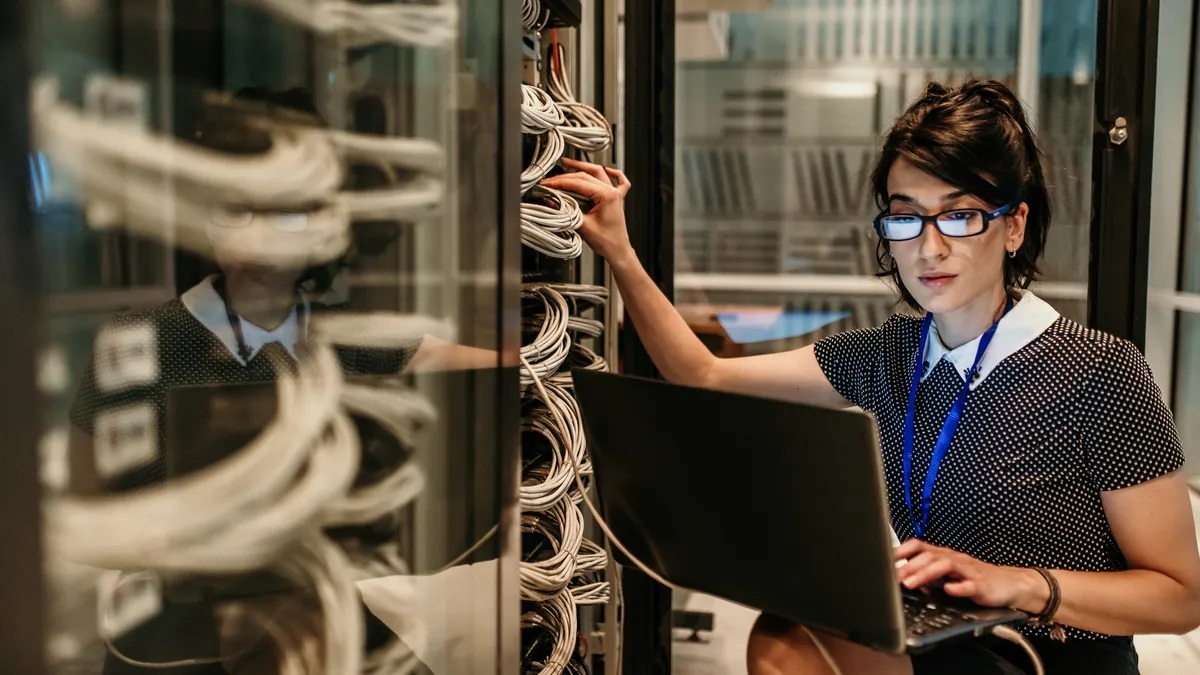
x=723 y=652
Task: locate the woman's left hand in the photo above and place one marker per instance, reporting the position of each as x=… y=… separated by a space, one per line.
x=965 y=577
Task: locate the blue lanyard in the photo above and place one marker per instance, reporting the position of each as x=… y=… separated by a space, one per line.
x=948 y=427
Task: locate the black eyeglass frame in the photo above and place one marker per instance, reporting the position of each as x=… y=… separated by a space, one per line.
x=988 y=217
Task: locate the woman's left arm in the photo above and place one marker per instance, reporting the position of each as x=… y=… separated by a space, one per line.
x=1159 y=593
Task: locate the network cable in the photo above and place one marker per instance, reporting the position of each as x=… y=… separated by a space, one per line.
x=550 y=222
x=357 y=24
x=557 y=617
x=533 y=18
x=584 y=127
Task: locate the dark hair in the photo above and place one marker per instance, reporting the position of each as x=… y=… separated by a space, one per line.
x=976 y=137
x=223 y=130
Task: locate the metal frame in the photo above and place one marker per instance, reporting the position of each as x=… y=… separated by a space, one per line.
x=1126 y=66
x=650 y=211
x=21 y=623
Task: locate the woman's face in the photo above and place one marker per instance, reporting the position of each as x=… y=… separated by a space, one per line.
x=946 y=274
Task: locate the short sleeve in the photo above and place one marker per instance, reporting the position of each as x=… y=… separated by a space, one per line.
x=1129 y=435
x=851 y=362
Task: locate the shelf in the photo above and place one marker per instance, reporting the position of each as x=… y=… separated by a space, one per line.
x=563 y=13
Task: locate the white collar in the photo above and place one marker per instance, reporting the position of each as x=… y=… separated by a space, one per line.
x=1029 y=318
x=204 y=303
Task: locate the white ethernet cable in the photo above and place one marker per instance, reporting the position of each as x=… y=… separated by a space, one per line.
x=532 y=16
x=584 y=127
x=300 y=168
x=147 y=528
x=357 y=24
x=542 y=357
x=557 y=616
x=539 y=113
x=547 y=483
x=548 y=150
x=551 y=224
x=148 y=182
x=541 y=580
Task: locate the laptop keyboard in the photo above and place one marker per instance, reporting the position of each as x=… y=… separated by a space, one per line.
x=923 y=615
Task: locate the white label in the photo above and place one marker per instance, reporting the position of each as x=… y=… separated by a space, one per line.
x=126 y=356
x=56 y=468
x=125 y=438
x=134 y=601
x=52 y=375
x=116 y=99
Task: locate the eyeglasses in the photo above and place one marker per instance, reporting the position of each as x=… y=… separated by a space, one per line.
x=238 y=218
x=955 y=223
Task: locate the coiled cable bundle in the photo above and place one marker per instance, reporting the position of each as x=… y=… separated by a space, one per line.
x=265 y=507
x=356 y=24
x=547 y=322
x=533 y=18
x=554 y=646
x=548 y=479
x=550 y=222
x=584 y=127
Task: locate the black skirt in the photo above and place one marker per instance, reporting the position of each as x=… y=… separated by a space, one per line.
x=992 y=656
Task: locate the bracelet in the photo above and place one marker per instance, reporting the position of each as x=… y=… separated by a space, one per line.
x=1046 y=618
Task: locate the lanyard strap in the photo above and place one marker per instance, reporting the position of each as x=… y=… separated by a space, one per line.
x=235 y=322
x=946 y=435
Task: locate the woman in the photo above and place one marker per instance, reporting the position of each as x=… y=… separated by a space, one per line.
x=1064 y=467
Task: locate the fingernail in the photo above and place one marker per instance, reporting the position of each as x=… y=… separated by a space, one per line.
x=909 y=583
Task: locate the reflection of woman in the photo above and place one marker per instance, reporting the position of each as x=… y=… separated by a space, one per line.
x=245 y=324
x=1064 y=466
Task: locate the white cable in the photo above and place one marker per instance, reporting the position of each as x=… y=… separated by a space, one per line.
x=557 y=616
x=546 y=483
x=551 y=224
x=551 y=344
x=1012 y=635
x=539 y=113
x=541 y=580
x=412 y=200
x=532 y=16
x=403 y=414
x=357 y=24
x=584 y=127
x=148 y=527
x=547 y=152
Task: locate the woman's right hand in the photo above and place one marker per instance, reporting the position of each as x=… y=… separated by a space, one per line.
x=604 y=226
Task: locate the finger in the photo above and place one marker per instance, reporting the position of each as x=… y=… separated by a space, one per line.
x=909 y=549
x=594 y=170
x=623 y=184
x=939 y=569
x=966 y=588
x=550 y=180
x=584 y=186
x=916 y=564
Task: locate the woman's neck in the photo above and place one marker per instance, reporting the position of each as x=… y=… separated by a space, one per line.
x=959 y=327
x=264 y=302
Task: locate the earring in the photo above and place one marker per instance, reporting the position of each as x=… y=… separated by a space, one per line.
x=1012 y=254
x=891 y=254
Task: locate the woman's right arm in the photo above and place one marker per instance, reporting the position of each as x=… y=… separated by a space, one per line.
x=679 y=355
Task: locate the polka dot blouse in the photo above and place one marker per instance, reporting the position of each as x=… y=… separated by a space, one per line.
x=1058 y=414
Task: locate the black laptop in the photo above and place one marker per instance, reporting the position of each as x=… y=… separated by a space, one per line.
x=773 y=505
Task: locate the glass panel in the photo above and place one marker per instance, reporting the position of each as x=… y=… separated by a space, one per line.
x=775 y=145
x=1187 y=346
x=271 y=277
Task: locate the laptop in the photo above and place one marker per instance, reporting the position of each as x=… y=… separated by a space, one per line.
x=769 y=504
